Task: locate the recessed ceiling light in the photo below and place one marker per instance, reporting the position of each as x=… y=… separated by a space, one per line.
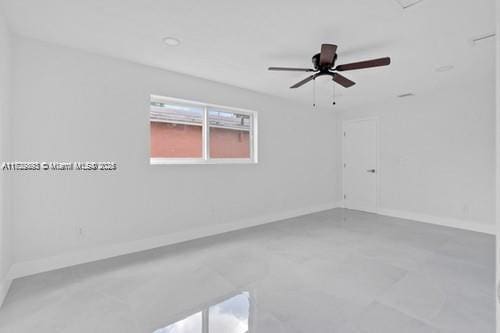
x=406 y=95
x=171 y=41
x=445 y=68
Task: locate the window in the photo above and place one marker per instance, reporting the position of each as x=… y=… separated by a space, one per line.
x=229 y=134
x=176 y=130
x=184 y=132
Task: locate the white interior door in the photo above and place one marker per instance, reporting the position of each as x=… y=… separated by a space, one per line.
x=360 y=164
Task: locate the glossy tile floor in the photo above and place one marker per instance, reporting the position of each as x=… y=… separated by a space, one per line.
x=334 y=271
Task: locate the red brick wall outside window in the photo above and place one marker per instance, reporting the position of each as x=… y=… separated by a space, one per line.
x=185 y=141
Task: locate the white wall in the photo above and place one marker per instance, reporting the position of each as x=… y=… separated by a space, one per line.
x=437 y=154
x=5 y=254
x=497 y=215
x=74 y=106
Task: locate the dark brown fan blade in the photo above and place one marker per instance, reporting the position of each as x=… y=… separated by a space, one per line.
x=364 y=64
x=343 y=81
x=307 y=79
x=327 y=54
x=291 y=69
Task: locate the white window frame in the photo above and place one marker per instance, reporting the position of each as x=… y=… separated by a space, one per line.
x=205 y=159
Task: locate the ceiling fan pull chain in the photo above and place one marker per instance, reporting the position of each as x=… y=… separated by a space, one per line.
x=333 y=92
x=314 y=93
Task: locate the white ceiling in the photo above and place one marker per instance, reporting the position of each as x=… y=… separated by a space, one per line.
x=235 y=41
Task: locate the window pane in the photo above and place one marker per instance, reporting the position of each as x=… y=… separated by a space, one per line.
x=191 y=324
x=176 y=130
x=230 y=315
x=229 y=134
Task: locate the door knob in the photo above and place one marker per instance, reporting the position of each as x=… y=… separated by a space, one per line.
x=371 y=170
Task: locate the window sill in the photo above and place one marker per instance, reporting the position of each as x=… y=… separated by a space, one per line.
x=188 y=161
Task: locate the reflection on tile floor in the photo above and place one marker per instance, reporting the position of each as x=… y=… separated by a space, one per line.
x=228 y=316
x=334 y=271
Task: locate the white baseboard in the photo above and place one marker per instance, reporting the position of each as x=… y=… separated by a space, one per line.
x=444 y=221
x=26 y=268
x=4 y=289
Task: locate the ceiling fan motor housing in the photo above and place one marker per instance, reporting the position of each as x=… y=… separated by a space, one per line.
x=315 y=61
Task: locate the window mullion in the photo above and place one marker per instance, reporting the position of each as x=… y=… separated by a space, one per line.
x=251 y=138
x=206 y=137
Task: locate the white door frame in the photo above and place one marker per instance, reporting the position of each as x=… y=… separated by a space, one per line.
x=377 y=159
